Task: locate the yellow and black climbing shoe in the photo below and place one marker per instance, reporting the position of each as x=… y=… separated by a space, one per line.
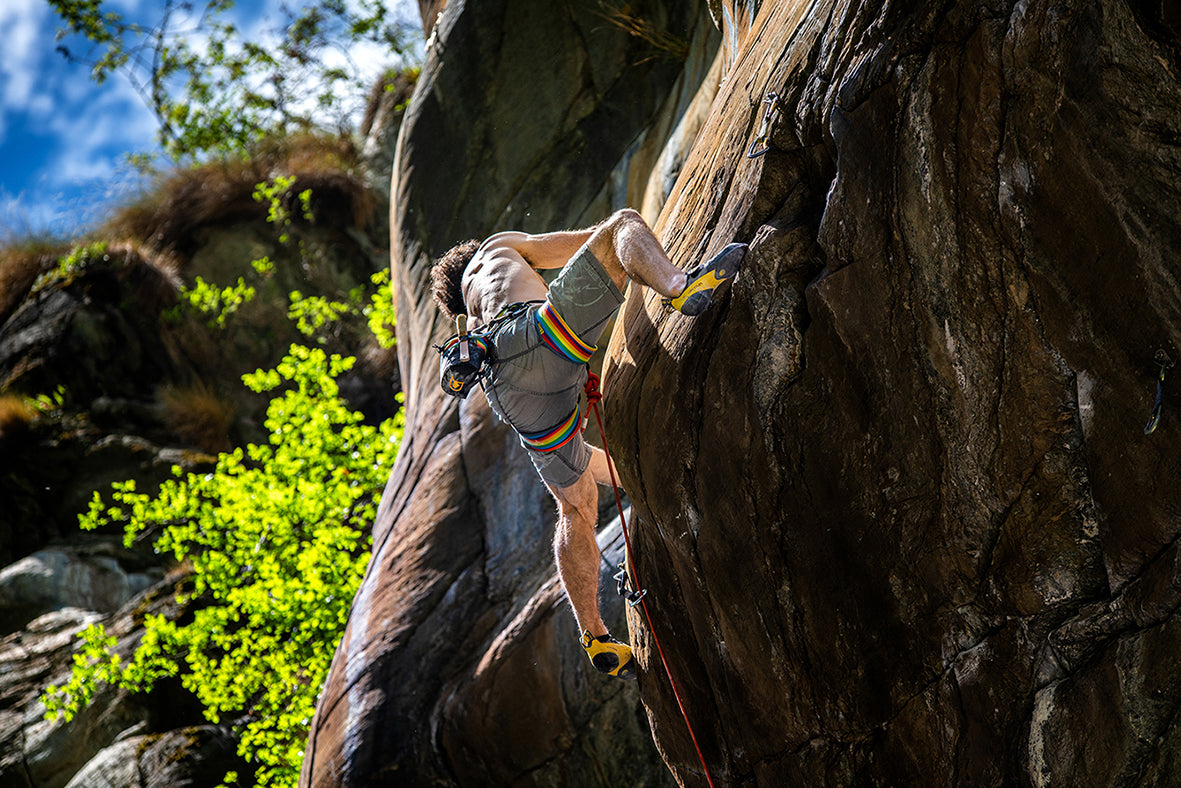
x=610 y=656
x=703 y=280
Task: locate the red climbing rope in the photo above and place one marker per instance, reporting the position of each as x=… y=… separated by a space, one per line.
x=593 y=395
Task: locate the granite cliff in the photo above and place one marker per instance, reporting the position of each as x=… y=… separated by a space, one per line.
x=894 y=502
x=896 y=510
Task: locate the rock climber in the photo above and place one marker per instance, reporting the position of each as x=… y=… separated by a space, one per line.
x=542 y=338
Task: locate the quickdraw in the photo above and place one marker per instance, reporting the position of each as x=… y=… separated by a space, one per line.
x=1165 y=363
x=774 y=105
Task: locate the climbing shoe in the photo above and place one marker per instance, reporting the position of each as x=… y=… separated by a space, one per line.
x=610 y=656
x=704 y=279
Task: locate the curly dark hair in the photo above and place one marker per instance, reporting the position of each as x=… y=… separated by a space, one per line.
x=447 y=278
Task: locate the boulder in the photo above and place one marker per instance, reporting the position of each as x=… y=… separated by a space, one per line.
x=49 y=472
x=188 y=758
x=73 y=331
x=120 y=739
x=98 y=577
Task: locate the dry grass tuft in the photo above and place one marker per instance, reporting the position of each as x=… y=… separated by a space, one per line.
x=153 y=277
x=167 y=218
x=663 y=44
x=305 y=153
x=198 y=416
x=398 y=85
x=338 y=200
x=16 y=414
x=21 y=262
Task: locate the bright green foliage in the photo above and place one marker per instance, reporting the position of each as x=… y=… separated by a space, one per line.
x=380 y=310
x=271 y=193
x=277 y=539
x=312 y=313
x=215 y=91
x=217 y=303
x=72 y=264
x=94 y=663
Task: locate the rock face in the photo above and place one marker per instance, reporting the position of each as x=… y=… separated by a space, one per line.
x=899 y=519
x=119 y=739
x=96 y=334
x=460 y=664
x=100 y=575
x=902 y=523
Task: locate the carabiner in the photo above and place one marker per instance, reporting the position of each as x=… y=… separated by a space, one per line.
x=773 y=105
x=1161 y=358
x=633 y=597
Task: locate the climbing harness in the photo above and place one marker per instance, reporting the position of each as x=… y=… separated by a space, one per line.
x=1165 y=362
x=636 y=596
x=557 y=436
x=468 y=358
x=774 y=105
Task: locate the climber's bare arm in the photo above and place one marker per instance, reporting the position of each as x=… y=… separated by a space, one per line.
x=548 y=250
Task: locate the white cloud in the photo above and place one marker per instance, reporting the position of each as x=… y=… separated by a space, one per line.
x=23 y=30
x=96 y=133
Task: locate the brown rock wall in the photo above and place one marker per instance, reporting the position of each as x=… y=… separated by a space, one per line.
x=894 y=489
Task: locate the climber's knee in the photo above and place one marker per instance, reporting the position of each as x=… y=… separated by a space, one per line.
x=579 y=501
x=609 y=236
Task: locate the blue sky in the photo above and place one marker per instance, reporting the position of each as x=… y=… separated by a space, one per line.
x=64 y=139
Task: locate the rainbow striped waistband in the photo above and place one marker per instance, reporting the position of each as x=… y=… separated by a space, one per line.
x=558 y=337
x=557 y=437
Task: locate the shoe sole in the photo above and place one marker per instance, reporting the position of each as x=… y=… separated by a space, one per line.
x=606 y=660
x=699 y=293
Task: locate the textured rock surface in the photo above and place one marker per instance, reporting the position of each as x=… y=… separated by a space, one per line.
x=97 y=577
x=119 y=739
x=912 y=529
x=193 y=757
x=460 y=664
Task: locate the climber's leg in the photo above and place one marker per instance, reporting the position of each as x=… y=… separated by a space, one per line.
x=577 y=557
x=599 y=468
x=628 y=249
x=576 y=552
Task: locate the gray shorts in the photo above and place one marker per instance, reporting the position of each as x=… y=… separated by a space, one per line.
x=534 y=389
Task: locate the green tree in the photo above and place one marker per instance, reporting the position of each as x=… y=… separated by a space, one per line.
x=277 y=539
x=216 y=90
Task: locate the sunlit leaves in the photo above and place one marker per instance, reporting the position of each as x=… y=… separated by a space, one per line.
x=277 y=538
